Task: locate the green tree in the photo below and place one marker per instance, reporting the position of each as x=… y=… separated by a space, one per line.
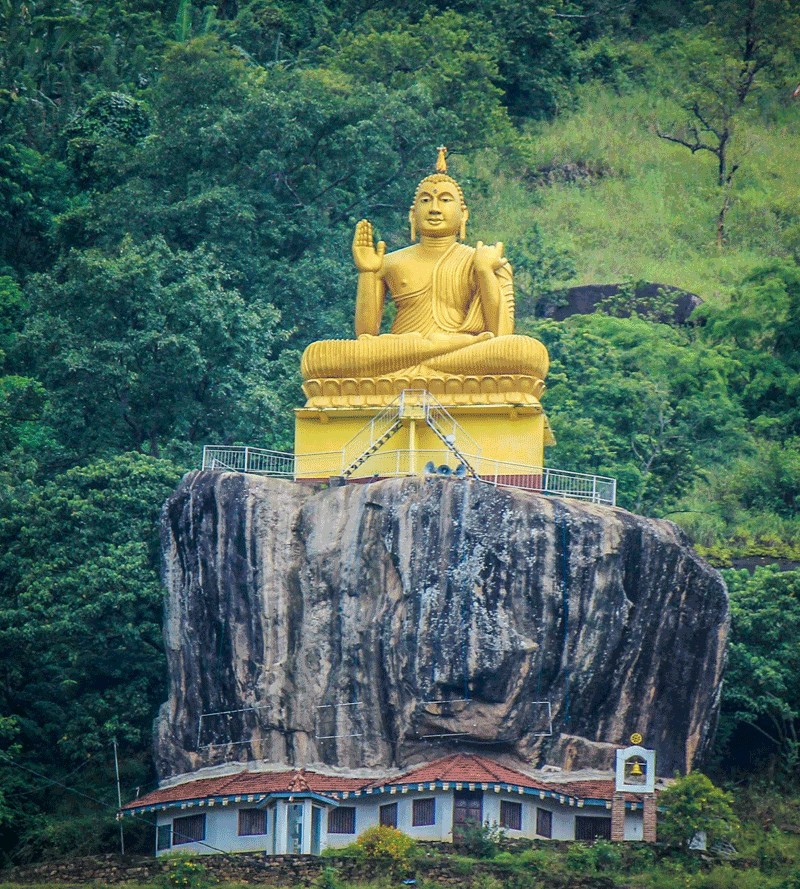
x=761 y=329
x=286 y=32
x=80 y=634
x=639 y=401
x=149 y=347
x=538 y=63
x=691 y=806
x=725 y=63
x=33 y=190
x=748 y=506
x=440 y=54
x=26 y=439
x=273 y=168
x=762 y=684
x=538 y=268
x=109 y=125
x=55 y=55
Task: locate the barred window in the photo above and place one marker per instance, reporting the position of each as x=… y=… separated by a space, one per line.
x=544 y=823
x=423 y=812
x=252 y=822
x=590 y=829
x=342 y=820
x=389 y=815
x=188 y=830
x=163 y=837
x=510 y=815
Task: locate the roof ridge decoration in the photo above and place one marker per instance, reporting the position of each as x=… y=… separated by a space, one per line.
x=299 y=783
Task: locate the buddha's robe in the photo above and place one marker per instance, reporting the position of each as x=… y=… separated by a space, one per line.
x=418 y=344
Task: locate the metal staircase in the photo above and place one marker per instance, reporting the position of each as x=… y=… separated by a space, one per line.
x=372 y=436
x=412 y=404
x=448 y=432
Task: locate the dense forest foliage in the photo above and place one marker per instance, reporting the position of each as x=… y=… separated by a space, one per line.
x=178 y=187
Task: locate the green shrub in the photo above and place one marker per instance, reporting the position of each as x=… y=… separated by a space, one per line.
x=387 y=849
x=579 y=858
x=536 y=860
x=527 y=864
x=486 y=881
x=773 y=852
x=607 y=856
x=328 y=879
x=792 y=881
x=638 y=858
x=352 y=850
x=727 y=877
x=185 y=873
x=693 y=805
x=463 y=865
x=600 y=856
x=480 y=840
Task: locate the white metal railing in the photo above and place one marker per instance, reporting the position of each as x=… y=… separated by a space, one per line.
x=580 y=486
x=247 y=459
x=403 y=461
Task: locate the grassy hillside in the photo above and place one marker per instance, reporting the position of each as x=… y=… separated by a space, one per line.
x=647 y=208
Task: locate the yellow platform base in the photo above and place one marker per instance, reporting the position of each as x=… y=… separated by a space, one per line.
x=496 y=440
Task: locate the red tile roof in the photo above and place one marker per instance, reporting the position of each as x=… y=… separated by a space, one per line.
x=459 y=768
x=464 y=768
x=248 y=784
x=595 y=789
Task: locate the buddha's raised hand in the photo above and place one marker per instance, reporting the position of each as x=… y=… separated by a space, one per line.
x=489 y=257
x=366 y=256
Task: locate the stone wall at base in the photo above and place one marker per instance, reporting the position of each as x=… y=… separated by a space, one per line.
x=274 y=870
x=114 y=869
x=436 y=864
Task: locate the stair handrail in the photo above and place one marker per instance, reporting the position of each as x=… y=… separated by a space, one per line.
x=358 y=448
x=449 y=431
x=447 y=427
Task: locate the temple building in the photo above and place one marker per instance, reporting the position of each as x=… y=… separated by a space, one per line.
x=304 y=812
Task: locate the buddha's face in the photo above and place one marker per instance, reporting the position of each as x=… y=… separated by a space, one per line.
x=437 y=210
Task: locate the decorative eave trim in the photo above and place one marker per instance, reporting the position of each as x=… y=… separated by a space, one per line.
x=298 y=795
x=496 y=786
x=259 y=799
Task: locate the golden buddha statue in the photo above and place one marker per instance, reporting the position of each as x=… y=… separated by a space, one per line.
x=453 y=332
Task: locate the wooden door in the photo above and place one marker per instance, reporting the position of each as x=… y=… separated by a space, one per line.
x=467 y=810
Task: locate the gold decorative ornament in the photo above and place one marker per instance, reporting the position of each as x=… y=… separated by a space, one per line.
x=636 y=738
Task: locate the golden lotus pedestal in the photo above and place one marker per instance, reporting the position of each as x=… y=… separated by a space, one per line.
x=502 y=441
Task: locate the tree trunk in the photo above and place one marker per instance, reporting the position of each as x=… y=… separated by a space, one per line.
x=721 y=220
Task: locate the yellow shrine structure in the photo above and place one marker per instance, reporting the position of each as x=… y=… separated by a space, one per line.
x=451 y=385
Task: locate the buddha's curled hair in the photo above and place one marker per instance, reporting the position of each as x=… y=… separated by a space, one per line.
x=435 y=178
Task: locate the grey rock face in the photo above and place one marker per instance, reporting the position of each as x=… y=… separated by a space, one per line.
x=383 y=624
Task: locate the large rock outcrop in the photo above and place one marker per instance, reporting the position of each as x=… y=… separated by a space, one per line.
x=377 y=625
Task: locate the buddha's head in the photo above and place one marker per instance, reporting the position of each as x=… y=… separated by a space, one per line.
x=439 y=208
